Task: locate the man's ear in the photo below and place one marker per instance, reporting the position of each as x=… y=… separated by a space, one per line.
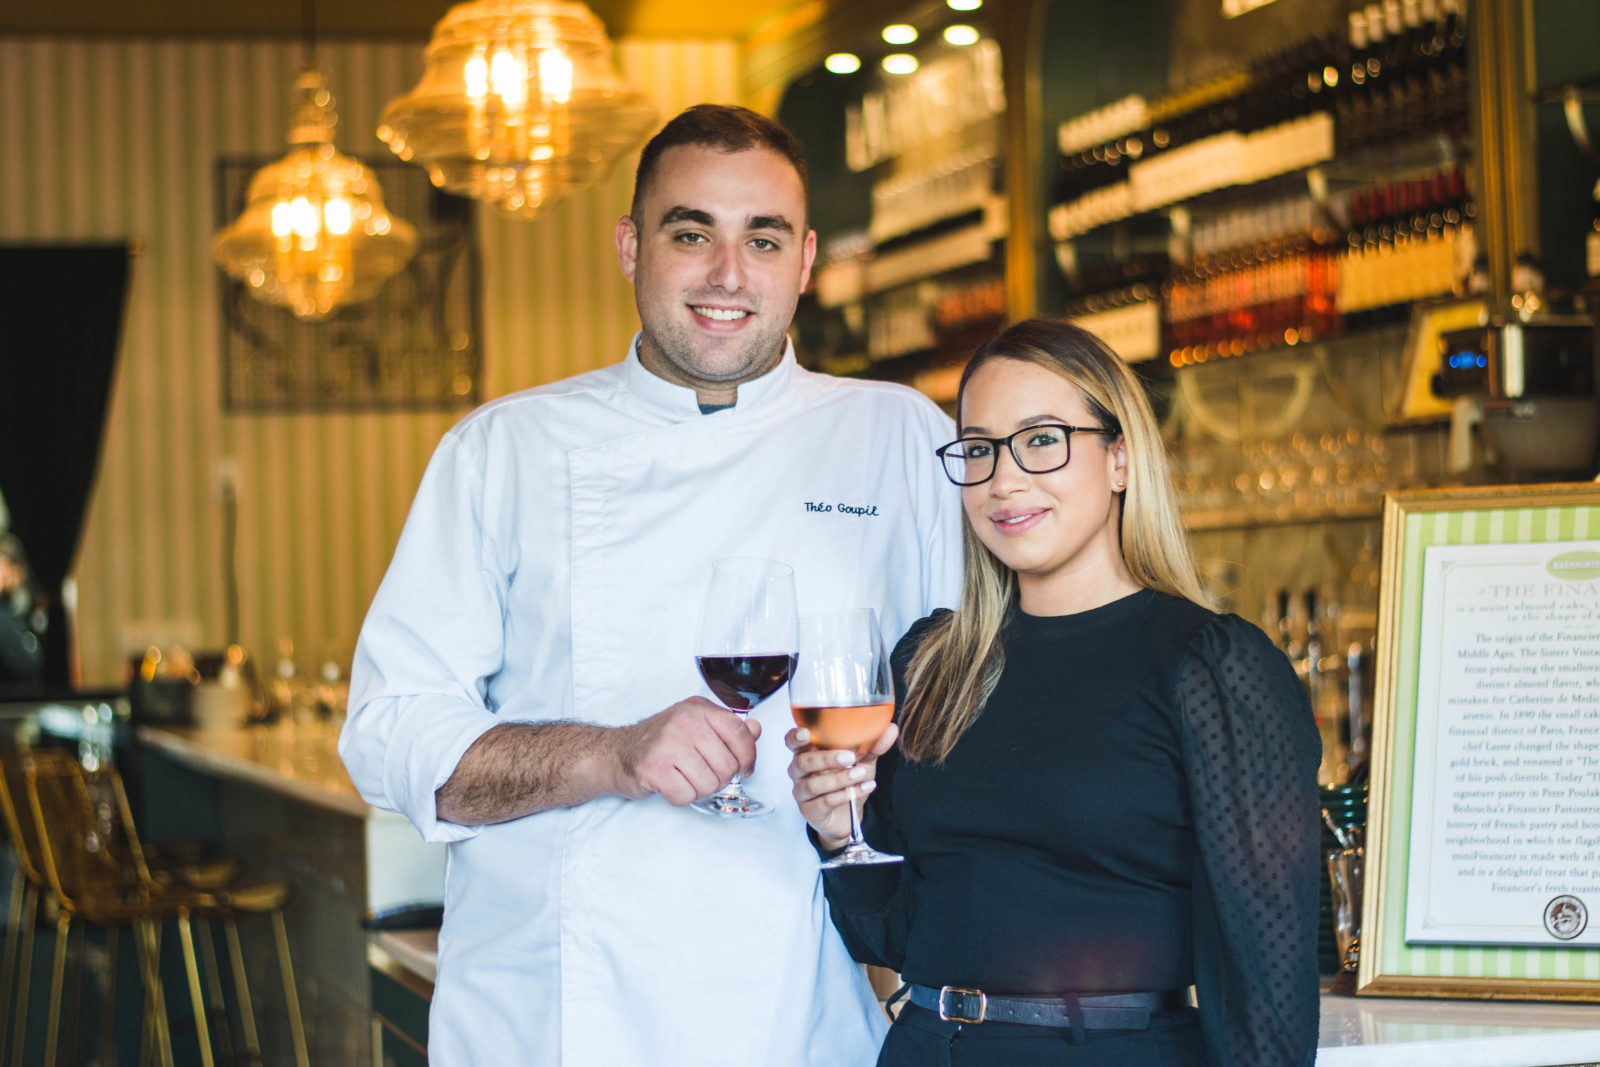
x=627 y=246
x=808 y=255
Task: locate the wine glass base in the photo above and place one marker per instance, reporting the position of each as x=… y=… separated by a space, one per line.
x=860 y=856
x=731 y=806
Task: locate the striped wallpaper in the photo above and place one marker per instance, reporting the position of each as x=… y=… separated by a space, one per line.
x=117 y=139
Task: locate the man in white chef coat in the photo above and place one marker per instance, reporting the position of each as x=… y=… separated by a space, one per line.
x=525 y=685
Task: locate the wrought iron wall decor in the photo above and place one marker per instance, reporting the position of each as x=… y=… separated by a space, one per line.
x=416 y=346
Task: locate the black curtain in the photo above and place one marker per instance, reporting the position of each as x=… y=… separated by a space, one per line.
x=60 y=320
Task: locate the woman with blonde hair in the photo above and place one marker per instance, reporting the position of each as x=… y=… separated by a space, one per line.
x=1105 y=792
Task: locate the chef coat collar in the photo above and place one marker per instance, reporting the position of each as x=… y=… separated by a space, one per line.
x=680 y=400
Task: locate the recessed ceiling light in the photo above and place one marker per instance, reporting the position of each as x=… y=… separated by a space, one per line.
x=899 y=33
x=964 y=5
x=842 y=63
x=899 y=63
x=960 y=36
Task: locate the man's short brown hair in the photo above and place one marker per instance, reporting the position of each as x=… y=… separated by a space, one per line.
x=725 y=127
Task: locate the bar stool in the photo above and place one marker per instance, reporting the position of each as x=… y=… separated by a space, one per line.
x=95 y=863
x=210 y=900
x=28 y=884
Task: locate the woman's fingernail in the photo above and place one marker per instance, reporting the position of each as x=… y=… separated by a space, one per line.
x=846 y=758
x=867 y=787
x=802 y=735
x=857 y=773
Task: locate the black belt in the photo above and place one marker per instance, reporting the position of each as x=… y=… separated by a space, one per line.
x=1112 y=1011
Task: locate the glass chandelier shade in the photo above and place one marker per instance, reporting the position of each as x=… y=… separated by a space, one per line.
x=518 y=105
x=314 y=235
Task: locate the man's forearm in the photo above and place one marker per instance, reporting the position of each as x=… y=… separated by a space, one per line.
x=518 y=769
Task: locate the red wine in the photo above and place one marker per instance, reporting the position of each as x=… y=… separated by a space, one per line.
x=742 y=682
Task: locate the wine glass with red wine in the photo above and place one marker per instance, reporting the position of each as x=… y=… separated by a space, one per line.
x=843 y=693
x=746 y=652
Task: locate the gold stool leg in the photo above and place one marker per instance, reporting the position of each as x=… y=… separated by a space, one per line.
x=290 y=996
x=73 y=1009
x=149 y=940
x=192 y=967
x=241 y=987
x=208 y=957
x=108 y=1007
x=19 y=1040
x=8 y=961
x=58 y=969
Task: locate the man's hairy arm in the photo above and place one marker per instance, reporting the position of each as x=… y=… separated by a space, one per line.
x=688 y=751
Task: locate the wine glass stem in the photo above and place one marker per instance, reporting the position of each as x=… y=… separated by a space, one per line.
x=857 y=839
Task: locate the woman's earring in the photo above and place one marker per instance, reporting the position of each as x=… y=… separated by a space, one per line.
x=1121 y=486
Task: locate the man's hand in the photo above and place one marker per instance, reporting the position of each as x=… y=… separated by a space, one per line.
x=686 y=752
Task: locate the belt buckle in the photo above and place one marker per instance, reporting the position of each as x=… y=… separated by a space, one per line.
x=944 y=1014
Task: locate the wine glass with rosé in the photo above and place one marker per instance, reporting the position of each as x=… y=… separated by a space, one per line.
x=745 y=652
x=843 y=693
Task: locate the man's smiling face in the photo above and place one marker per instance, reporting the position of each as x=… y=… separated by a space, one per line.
x=718 y=257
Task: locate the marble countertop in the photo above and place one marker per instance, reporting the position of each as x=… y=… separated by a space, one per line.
x=1355 y=1032
x=415 y=950
x=1412 y=1032
x=300 y=760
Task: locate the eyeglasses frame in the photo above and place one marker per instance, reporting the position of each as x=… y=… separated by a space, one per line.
x=1009 y=441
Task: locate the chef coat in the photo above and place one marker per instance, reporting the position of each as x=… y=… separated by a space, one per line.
x=553 y=567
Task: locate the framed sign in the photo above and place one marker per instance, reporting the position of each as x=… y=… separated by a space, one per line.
x=416 y=346
x=1483 y=857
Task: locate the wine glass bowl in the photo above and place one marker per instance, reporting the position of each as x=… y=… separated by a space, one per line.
x=842 y=691
x=745 y=652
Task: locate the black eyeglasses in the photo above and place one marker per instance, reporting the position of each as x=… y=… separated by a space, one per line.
x=1042 y=449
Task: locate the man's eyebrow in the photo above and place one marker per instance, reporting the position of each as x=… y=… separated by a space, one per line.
x=687 y=214
x=770 y=222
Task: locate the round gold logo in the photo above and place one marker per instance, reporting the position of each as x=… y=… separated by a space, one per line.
x=1565 y=917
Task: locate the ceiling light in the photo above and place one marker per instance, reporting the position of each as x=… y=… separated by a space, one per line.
x=314 y=235
x=964 y=5
x=519 y=104
x=899 y=33
x=842 y=63
x=899 y=63
x=960 y=36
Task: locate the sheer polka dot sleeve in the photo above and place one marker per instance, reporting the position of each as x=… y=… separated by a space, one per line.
x=1251 y=751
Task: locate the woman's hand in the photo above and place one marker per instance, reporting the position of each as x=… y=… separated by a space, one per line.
x=822 y=781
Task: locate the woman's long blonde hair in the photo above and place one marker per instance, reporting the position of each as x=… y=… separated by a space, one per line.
x=959 y=660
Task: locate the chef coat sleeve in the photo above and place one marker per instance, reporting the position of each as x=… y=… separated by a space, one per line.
x=1251 y=750
x=432 y=638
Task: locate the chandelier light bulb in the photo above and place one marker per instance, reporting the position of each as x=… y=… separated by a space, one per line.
x=899 y=33
x=842 y=63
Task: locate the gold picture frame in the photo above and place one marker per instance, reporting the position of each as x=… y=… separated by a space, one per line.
x=1390 y=965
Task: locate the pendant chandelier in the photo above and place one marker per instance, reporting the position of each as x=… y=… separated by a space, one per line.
x=314 y=236
x=518 y=105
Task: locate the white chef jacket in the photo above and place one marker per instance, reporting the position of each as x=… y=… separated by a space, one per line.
x=553 y=567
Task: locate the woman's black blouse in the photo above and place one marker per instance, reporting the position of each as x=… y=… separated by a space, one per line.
x=1135 y=809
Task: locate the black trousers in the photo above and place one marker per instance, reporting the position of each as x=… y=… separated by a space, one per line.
x=919 y=1038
